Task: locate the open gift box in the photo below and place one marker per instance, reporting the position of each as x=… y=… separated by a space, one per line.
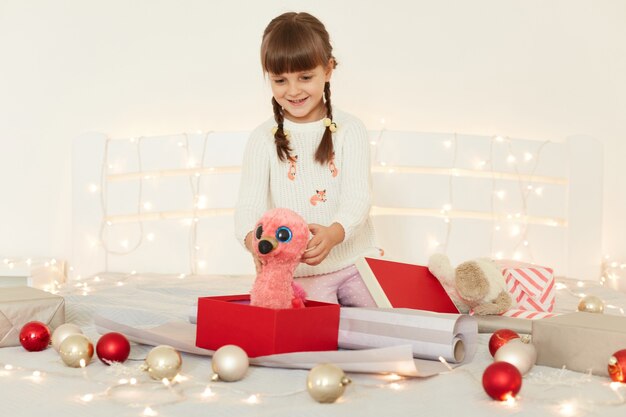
x=260 y=331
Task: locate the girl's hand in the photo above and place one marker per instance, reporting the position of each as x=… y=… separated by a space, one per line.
x=323 y=240
x=258 y=265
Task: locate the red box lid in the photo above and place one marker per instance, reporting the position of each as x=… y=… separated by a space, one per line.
x=402 y=285
x=260 y=331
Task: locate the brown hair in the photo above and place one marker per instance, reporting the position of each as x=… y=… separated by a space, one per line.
x=294 y=42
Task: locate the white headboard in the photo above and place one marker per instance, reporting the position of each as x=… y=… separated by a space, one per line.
x=164 y=204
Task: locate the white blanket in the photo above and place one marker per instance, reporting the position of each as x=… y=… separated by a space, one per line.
x=35 y=384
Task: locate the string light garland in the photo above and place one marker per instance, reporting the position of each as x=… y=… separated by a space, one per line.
x=194 y=172
x=613 y=274
x=43 y=273
x=517 y=223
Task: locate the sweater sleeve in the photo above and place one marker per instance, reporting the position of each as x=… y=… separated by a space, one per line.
x=253 y=198
x=356 y=180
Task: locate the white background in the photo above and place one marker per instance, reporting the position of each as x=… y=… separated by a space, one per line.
x=529 y=69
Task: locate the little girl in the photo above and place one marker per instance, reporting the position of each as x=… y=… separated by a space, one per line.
x=312 y=159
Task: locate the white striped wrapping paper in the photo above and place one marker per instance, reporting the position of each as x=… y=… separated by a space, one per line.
x=431 y=335
x=532 y=288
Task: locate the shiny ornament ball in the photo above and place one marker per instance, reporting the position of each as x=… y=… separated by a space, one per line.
x=519 y=354
x=500 y=338
x=35 y=336
x=76 y=350
x=326 y=383
x=501 y=381
x=163 y=362
x=63 y=331
x=230 y=363
x=591 y=304
x=112 y=347
x=617 y=366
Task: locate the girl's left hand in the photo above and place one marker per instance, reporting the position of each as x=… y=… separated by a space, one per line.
x=323 y=240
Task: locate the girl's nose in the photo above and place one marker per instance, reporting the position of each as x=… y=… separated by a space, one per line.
x=294 y=89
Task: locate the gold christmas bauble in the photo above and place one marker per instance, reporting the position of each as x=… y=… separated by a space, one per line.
x=76 y=350
x=62 y=332
x=519 y=354
x=163 y=362
x=591 y=304
x=326 y=383
x=230 y=363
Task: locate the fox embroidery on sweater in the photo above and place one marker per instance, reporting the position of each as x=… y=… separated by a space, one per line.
x=319 y=196
x=331 y=165
x=292 y=167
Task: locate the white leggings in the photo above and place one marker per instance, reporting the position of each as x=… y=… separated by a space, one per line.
x=345 y=287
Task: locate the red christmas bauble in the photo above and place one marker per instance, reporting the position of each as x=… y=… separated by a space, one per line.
x=617 y=366
x=501 y=380
x=500 y=338
x=112 y=347
x=35 y=336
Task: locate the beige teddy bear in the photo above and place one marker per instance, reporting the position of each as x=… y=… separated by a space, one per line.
x=476 y=285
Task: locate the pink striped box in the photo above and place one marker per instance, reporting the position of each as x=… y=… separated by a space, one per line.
x=532 y=290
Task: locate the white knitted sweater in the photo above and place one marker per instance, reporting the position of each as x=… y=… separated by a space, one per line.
x=339 y=191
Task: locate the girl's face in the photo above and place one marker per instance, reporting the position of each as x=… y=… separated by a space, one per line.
x=301 y=94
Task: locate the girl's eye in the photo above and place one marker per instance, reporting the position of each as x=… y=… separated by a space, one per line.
x=307 y=77
x=259 y=232
x=283 y=234
x=279 y=81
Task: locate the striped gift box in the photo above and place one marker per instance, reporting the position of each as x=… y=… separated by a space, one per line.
x=528 y=314
x=532 y=288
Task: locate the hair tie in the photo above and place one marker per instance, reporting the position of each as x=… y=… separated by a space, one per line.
x=332 y=126
x=280 y=126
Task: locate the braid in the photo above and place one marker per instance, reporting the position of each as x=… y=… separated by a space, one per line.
x=282 y=143
x=324 y=152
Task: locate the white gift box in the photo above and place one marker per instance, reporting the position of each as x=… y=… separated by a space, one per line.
x=19 y=305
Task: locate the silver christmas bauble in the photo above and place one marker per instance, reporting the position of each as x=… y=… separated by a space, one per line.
x=519 y=354
x=230 y=363
x=62 y=332
x=326 y=383
x=591 y=304
x=163 y=362
x=76 y=350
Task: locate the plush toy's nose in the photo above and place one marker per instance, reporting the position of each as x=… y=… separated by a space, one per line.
x=266 y=245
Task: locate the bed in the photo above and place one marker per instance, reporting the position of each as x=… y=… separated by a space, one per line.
x=153 y=232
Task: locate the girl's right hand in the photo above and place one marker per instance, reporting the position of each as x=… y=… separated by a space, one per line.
x=258 y=265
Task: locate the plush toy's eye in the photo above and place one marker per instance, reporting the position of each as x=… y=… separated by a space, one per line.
x=283 y=234
x=259 y=232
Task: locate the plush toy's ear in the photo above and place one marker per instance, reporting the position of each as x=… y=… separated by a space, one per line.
x=439 y=266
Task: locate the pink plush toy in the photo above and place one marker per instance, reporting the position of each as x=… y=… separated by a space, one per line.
x=280 y=239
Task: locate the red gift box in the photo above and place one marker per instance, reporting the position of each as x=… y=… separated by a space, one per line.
x=260 y=331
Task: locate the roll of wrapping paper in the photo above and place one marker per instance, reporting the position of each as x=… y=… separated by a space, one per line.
x=431 y=335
